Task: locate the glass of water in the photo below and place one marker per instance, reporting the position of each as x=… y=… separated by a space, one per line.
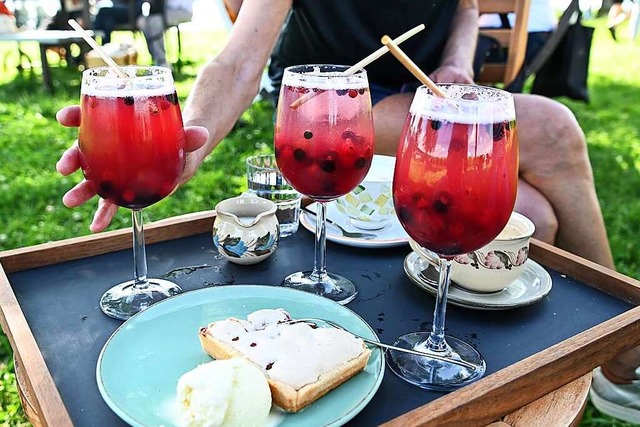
x=265 y=180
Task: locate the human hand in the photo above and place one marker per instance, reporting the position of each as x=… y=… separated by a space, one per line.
x=452 y=74
x=195 y=138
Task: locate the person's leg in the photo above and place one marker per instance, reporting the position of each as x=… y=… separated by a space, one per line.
x=389 y=115
x=152 y=27
x=532 y=204
x=554 y=161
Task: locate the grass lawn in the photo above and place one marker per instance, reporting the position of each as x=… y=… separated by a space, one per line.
x=31 y=141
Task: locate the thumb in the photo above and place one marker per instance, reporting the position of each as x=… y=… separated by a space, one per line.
x=195 y=137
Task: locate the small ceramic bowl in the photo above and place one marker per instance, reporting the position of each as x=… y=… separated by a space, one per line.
x=246 y=230
x=494 y=266
x=370 y=205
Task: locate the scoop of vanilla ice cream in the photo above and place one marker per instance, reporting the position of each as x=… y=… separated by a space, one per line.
x=224 y=393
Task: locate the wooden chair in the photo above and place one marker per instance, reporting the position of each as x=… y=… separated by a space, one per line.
x=514 y=39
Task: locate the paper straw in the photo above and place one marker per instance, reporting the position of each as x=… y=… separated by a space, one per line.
x=384 y=49
x=411 y=66
x=362 y=63
x=110 y=62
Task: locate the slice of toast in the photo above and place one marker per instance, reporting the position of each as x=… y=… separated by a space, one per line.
x=290 y=397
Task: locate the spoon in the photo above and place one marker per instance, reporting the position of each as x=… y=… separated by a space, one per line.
x=345 y=233
x=435 y=356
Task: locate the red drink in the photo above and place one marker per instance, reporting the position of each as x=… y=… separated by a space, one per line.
x=132 y=154
x=454 y=189
x=455 y=186
x=132 y=147
x=324 y=147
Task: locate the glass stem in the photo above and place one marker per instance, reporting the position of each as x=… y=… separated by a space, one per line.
x=436 y=340
x=320 y=262
x=139 y=253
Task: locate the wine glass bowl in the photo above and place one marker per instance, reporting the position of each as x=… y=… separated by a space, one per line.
x=131 y=144
x=454 y=190
x=323 y=144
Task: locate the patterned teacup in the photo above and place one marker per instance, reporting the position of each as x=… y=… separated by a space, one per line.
x=370 y=205
x=496 y=265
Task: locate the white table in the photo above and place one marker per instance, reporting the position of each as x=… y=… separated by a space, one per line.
x=45 y=39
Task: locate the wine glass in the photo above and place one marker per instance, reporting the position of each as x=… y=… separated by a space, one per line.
x=132 y=154
x=323 y=147
x=454 y=189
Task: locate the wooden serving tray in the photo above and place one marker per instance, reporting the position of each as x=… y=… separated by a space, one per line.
x=499 y=393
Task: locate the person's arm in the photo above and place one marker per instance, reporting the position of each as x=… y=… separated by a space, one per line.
x=458 y=54
x=227 y=85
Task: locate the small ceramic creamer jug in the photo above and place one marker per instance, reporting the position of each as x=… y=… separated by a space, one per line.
x=246 y=230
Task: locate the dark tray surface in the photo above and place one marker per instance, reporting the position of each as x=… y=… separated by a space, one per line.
x=60 y=303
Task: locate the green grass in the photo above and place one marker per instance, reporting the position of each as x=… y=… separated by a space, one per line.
x=31 y=141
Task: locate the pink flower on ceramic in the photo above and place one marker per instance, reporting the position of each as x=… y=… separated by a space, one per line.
x=492 y=260
x=463 y=259
x=522 y=256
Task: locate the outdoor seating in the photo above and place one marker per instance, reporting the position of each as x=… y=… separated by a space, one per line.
x=513 y=39
x=45 y=39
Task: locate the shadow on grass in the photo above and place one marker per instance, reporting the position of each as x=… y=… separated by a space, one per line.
x=67 y=80
x=66 y=83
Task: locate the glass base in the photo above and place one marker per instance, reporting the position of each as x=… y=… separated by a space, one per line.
x=124 y=300
x=332 y=286
x=433 y=374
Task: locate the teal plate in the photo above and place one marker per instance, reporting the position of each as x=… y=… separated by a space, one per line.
x=140 y=364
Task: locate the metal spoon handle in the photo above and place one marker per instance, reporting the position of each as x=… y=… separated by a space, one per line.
x=345 y=233
x=434 y=356
x=431 y=355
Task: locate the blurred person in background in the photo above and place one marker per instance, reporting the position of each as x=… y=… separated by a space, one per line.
x=152 y=17
x=153 y=25
x=618 y=13
x=112 y=14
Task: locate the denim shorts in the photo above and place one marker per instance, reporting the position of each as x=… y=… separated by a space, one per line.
x=380 y=92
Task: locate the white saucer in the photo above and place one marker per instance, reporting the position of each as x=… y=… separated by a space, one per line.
x=533 y=284
x=391 y=235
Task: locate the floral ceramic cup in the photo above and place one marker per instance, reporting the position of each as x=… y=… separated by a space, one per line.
x=496 y=265
x=246 y=230
x=370 y=205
